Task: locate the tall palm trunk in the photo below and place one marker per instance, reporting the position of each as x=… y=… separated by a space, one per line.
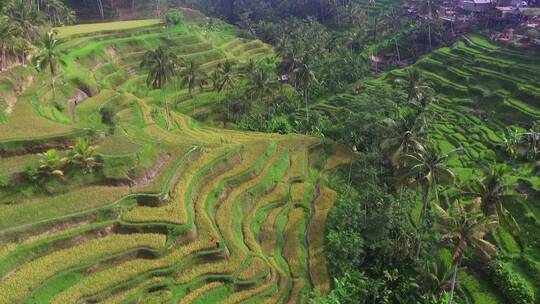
x=397 y=49
x=453 y=283
x=429 y=23
x=100 y=8
x=425 y=201
x=53 y=74
x=3 y=57
x=307 y=108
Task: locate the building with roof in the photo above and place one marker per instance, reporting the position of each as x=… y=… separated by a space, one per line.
x=476 y=6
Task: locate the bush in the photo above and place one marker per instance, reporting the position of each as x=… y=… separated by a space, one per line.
x=174 y=17
x=108 y=117
x=511 y=284
x=280 y=124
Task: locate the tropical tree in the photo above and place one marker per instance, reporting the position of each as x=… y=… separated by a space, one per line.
x=49 y=57
x=51 y=163
x=28 y=21
x=511 y=140
x=82 y=154
x=7 y=39
x=405 y=143
x=464 y=227
x=192 y=76
x=417 y=87
x=227 y=76
x=435 y=277
x=173 y=17
x=161 y=64
x=494 y=193
x=426 y=169
x=305 y=76
x=430 y=11
x=394 y=22
x=262 y=83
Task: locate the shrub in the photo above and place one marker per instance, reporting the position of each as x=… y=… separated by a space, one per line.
x=174 y=17
x=4 y=180
x=108 y=116
x=511 y=284
x=280 y=124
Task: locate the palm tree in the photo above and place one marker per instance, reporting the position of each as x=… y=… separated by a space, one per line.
x=464 y=226
x=416 y=85
x=262 y=83
x=227 y=76
x=160 y=64
x=426 y=169
x=395 y=24
x=51 y=163
x=511 y=140
x=192 y=76
x=436 y=277
x=82 y=154
x=430 y=11
x=405 y=143
x=49 y=57
x=305 y=76
x=27 y=19
x=494 y=193
x=7 y=38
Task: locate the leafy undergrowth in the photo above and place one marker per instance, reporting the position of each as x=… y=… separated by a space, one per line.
x=176 y=211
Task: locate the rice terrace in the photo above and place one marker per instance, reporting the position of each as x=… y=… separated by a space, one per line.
x=222 y=151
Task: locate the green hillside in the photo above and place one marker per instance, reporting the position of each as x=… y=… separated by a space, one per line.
x=176 y=211
x=483 y=91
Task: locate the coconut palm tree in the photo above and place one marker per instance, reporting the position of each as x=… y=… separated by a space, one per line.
x=262 y=83
x=160 y=64
x=395 y=24
x=82 y=154
x=494 y=193
x=416 y=86
x=192 y=76
x=27 y=19
x=305 y=76
x=511 y=140
x=49 y=57
x=405 y=143
x=228 y=74
x=7 y=39
x=464 y=227
x=51 y=163
x=426 y=169
x=227 y=77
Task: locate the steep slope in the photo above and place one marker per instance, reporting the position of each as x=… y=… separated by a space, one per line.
x=179 y=212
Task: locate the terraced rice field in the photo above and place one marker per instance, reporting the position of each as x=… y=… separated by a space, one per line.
x=376 y=7
x=483 y=89
x=182 y=213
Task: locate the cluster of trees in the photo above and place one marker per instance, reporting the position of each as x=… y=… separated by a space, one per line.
x=24 y=22
x=54 y=168
x=404 y=225
x=245 y=91
x=324 y=47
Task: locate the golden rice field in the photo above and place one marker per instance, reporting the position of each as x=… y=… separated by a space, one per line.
x=181 y=212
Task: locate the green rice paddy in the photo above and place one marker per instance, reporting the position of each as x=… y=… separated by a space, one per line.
x=181 y=212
